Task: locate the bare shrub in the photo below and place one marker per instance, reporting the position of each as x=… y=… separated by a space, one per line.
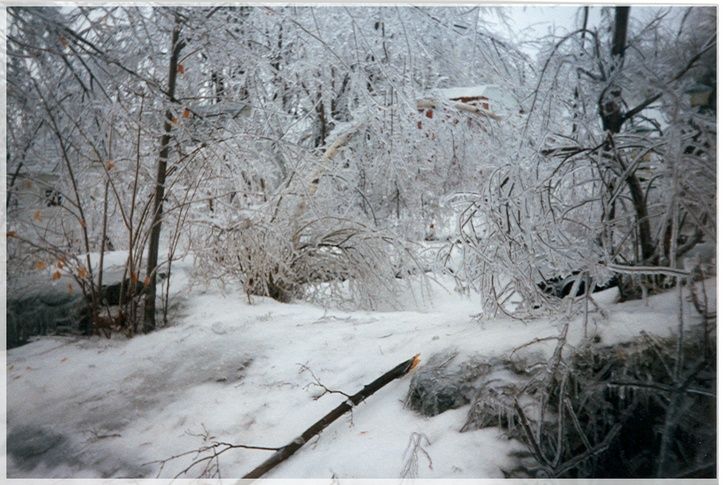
x=611 y=411
x=326 y=257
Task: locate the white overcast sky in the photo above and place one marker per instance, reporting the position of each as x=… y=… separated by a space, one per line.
x=528 y=22
x=535 y=20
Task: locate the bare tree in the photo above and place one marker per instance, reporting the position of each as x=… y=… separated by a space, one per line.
x=149 y=315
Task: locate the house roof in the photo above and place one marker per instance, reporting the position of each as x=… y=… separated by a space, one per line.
x=465 y=92
x=500 y=99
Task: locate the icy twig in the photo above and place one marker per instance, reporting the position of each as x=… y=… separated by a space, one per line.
x=414 y=447
x=318 y=383
x=211 y=464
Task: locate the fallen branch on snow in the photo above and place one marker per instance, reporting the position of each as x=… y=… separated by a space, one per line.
x=216 y=448
x=282 y=454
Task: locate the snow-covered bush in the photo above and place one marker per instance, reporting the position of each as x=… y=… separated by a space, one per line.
x=308 y=246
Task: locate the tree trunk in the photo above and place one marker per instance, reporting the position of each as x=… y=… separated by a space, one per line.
x=611 y=112
x=610 y=103
x=149 y=317
x=621 y=32
x=613 y=117
x=647 y=248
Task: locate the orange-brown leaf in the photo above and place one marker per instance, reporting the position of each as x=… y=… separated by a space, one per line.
x=63 y=41
x=186 y=113
x=56 y=276
x=134 y=278
x=60 y=264
x=82 y=272
x=37 y=215
x=70 y=289
x=180 y=69
x=174 y=120
x=40 y=265
x=109 y=165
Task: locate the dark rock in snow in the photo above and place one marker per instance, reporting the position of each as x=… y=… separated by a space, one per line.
x=47 y=311
x=39 y=308
x=450 y=380
x=445 y=382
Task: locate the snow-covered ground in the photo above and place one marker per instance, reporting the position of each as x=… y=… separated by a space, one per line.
x=80 y=407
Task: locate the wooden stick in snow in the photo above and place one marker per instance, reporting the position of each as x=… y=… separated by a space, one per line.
x=316 y=428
